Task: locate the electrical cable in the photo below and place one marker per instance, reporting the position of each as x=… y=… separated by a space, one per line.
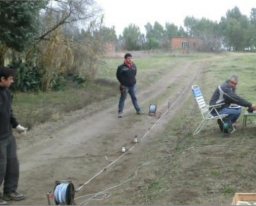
x=169 y=107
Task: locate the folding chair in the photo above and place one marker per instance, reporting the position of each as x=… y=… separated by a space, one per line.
x=206 y=109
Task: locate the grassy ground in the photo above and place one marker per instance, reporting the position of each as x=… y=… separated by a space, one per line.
x=36 y=108
x=178 y=168
x=207 y=169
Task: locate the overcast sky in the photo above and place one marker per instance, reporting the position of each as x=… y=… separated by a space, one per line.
x=121 y=13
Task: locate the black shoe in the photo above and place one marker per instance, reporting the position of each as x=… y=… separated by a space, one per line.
x=120 y=114
x=13 y=196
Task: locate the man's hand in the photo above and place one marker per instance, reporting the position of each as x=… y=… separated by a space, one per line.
x=21 y=129
x=122 y=88
x=253 y=106
x=250 y=110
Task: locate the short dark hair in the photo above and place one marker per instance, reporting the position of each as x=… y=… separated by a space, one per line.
x=233 y=77
x=6 y=72
x=127 y=55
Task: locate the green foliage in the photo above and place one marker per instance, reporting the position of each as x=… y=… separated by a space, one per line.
x=19 y=22
x=58 y=82
x=205 y=29
x=252 y=31
x=132 y=36
x=171 y=30
x=27 y=78
x=235 y=29
x=78 y=79
x=108 y=34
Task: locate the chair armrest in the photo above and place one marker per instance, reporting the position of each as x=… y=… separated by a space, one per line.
x=216 y=105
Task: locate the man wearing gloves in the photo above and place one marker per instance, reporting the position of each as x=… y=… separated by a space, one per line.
x=9 y=164
x=126 y=75
x=225 y=94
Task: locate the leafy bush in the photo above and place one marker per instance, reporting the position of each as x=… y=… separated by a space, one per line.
x=27 y=78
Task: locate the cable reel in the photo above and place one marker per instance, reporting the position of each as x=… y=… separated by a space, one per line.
x=152 y=109
x=64 y=193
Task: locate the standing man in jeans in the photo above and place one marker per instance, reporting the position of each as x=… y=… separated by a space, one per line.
x=9 y=164
x=126 y=75
x=225 y=94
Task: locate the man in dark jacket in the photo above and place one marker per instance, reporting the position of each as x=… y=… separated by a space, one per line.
x=9 y=165
x=126 y=75
x=225 y=94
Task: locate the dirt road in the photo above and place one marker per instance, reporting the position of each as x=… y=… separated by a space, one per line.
x=86 y=141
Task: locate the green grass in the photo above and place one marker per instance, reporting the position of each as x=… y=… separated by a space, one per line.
x=206 y=169
x=35 y=108
x=184 y=169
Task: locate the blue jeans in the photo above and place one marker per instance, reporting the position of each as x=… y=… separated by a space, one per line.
x=233 y=114
x=131 y=90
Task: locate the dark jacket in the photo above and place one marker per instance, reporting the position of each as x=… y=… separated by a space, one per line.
x=126 y=76
x=7 y=120
x=227 y=95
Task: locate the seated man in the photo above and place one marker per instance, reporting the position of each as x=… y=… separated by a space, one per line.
x=225 y=94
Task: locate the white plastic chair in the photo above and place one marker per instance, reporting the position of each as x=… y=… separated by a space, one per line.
x=205 y=109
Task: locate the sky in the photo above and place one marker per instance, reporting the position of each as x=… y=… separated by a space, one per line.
x=122 y=13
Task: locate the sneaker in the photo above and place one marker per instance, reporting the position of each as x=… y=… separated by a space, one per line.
x=3 y=202
x=13 y=196
x=120 y=114
x=139 y=112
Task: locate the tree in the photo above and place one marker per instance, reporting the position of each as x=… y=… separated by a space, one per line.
x=19 y=23
x=252 y=30
x=158 y=31
x=131 y=35
x=182 y=32
x=235 y=29
x=152 y=42
x=171 y=30
x=190 y=24
x=108 y=34
x=67 y=12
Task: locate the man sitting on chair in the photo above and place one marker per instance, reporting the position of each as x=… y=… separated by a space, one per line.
x=225 y=94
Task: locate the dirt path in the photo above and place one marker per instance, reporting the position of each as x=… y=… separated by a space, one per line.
x=87 y=141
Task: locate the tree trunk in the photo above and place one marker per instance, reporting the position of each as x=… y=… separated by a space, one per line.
x=3 y=50
x=1 y=60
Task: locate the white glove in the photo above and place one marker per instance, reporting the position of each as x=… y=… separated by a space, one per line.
x=21 y=129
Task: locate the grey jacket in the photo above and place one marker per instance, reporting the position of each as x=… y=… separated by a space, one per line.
x=227 y=95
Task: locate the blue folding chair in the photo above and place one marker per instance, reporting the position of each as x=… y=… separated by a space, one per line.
x=205 y=109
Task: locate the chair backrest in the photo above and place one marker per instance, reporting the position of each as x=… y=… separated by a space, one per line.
x=200 y=99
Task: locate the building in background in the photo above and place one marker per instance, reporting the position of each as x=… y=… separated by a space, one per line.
x=186 y=44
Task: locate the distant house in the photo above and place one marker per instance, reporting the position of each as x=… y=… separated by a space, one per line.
x=186 y=43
